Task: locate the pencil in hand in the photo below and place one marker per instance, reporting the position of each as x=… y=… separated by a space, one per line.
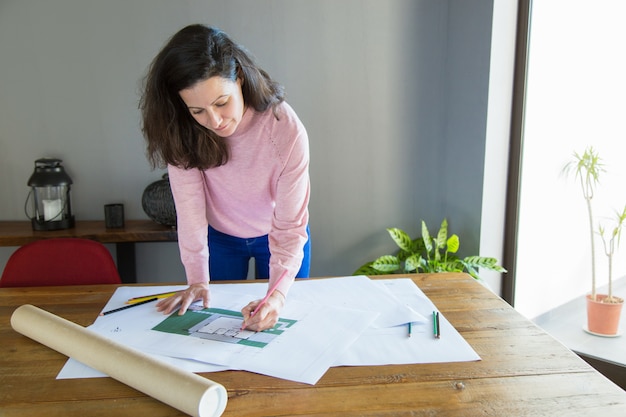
x=264 y=300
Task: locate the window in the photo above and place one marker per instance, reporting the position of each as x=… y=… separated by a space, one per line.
x=575 y=97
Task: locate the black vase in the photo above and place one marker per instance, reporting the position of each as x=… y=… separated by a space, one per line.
x=158 y=203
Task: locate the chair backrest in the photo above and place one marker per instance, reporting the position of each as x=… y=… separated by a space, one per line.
x=60 y=261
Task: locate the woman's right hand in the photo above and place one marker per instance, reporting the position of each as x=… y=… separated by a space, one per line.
x=185 y=298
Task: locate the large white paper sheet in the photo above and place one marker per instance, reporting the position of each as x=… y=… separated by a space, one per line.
x=75 y=369
x=303 y=353
x=392 y=345
x=341 y=321
x=358 y=292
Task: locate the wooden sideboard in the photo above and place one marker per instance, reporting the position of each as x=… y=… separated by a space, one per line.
x=18 y=233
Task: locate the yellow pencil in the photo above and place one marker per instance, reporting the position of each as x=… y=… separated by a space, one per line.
x=147 y=297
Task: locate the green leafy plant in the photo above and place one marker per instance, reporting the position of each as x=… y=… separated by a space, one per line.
x=427 y=254
x=609 y=242
x=587 y=168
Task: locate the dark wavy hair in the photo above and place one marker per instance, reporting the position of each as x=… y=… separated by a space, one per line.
x=196 y=53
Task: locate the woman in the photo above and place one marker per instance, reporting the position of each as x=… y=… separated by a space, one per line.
x=237 y=157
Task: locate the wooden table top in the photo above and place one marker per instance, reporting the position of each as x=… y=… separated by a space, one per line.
x=18 y=233
x=523 y=371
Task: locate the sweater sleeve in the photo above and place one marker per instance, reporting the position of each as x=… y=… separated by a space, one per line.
x=288 y=234
x=189 y=197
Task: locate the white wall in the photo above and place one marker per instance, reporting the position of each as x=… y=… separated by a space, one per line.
x=504 y=31
x=393 y=94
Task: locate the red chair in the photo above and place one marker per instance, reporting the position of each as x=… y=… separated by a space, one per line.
x=60 y=261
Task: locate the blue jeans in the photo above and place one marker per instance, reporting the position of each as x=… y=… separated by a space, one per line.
x=229 y=256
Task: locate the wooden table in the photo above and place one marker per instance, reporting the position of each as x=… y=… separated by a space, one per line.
x=18 y=233
x=523 y=372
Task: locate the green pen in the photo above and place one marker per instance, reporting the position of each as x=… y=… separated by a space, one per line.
x=435 y=327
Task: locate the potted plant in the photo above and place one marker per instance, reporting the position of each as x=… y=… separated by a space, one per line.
x=427 y=254
x=604 y=311
x=587 y=168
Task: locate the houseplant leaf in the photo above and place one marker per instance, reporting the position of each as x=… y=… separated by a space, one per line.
x=428 y=244
x=453 y=244
x=413 y=263
x=482 y=262
x=386 y=263
x=367 y=269
x=442 y=235
x=402 y=239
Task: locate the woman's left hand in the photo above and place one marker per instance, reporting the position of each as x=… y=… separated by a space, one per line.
x=267 y=316
x=184 y=299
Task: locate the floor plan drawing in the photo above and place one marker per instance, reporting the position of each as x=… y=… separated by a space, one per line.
x=220 y=325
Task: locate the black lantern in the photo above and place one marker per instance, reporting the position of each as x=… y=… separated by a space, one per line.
x=51 y=196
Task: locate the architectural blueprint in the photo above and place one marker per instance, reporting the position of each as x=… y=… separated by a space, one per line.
x=220 y=325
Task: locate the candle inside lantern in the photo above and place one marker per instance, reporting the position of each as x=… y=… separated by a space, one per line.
x=52 y=210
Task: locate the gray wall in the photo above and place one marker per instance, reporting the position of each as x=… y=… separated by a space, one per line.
x=393 y=94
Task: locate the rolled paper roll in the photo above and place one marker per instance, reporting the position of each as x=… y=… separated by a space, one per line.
x=185 y=391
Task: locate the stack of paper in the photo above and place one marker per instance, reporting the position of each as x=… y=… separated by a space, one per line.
x=328 y=322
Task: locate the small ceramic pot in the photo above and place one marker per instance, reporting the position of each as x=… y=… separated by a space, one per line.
x=603 y=318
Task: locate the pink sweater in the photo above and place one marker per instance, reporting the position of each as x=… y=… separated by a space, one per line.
x=262 y=189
